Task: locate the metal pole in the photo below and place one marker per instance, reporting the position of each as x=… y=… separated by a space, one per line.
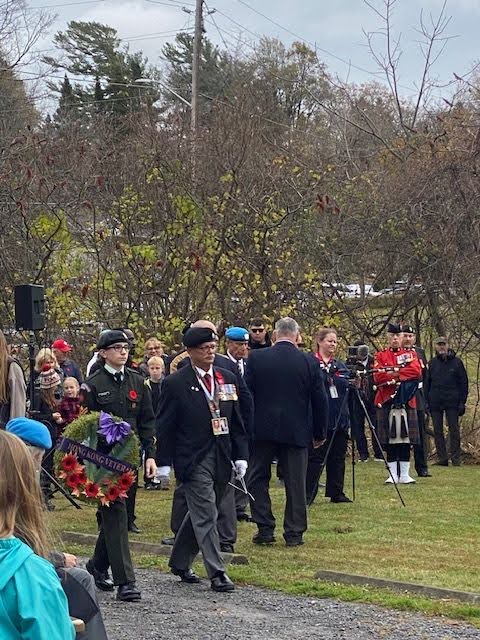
x=197 y=50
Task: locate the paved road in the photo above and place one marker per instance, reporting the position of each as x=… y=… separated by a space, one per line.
x=170 y=610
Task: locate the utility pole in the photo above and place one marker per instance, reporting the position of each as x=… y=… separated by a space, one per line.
x=197 y=51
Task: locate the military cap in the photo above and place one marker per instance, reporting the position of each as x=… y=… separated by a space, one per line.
x=198 y=335
x=394 y=328
x=30 y=431
x=110 y=337
x=407 y=328
x=237 y=334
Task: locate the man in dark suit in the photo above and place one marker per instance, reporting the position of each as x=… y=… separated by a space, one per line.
x=201 y=430
x=290 y=410
x=227 y=517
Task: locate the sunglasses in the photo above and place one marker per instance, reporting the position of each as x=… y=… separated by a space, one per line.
x=257 y=330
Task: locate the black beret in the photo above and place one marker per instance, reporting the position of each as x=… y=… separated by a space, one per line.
x=407 y=328
x=394 y=328
x=107 y=338
x=198 y=335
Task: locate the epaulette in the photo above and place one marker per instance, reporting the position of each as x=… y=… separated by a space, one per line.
x=135 y=372
x=94 y=374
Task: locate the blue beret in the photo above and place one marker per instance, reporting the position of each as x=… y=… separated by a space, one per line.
x=237 y=334
x=30 y=431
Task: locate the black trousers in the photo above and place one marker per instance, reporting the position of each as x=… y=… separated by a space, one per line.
x=131 y=500
x=112 y=548
x=227 y=517
x=335 y=466
x=420 y=449
x=294 y=468
x=451 y=414
x=357 y=423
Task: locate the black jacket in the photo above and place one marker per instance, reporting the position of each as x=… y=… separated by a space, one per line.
x=131 y=400
x=447 y=382
x=244 y=396
x=289 y=397
x=185 y=428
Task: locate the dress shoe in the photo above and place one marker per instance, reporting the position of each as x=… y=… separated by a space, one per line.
x=101 y=578
x=226 y=547
x=221 y=583
x=169 y=541
x=133 y=528
x=340 y=498
x=294 y=542
x=424 y=474
x=441 y=463
x=128 y=593
x=244 y=517
x=186 y=575
x=263 y=538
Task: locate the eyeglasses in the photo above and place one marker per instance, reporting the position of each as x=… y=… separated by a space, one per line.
x=120 y=347
x=207 y=347
x=257 y=330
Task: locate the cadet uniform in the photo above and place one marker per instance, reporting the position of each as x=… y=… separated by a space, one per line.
x=125 y=395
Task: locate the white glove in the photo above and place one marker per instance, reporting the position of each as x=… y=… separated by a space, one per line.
x=240 y=468
x=162 y=472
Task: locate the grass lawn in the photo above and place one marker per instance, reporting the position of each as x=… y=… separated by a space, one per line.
x=435 y=540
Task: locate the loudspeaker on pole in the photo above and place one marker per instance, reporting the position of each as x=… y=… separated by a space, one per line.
x=29 y=307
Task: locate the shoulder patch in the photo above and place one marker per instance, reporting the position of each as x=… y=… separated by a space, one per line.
x=85 y=387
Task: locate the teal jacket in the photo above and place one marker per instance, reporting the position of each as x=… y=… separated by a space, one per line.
x=33 y=605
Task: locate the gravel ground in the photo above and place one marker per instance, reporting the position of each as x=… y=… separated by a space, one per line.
x=170 y=610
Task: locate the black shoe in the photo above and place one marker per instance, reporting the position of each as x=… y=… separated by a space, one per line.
x=341 y=498
x=169 y=541
x=226 y=547
x=244 y=517
x=186 y=575
x=101 y=578
x=294 y=542
x=424 y=474
x=222 y=583
x=263 y=538
x=441 y=463
x=456 y=463
x=128 y=593
x=133 y=528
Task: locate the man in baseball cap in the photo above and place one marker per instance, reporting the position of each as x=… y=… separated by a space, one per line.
x=70 y=369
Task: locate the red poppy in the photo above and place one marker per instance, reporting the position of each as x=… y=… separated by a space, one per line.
x=132 y=394
x=125 y=481
x=112 y=493
x=219 y=377
x=68 y=462
x=91 y=489
x=74 y=480
x=82 y=476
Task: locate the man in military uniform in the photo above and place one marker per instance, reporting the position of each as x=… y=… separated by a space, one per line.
x=420 y=451
x=397 y=374
x=120 y=391
x=201 y=430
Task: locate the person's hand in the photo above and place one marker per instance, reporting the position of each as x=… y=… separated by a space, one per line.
x=150 y=467
x=57 y=416
x=461 y=409
x=318 y=443
x=70 y=560
x=240 y=468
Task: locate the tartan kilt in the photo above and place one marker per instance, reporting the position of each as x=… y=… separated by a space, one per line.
x=383 y=427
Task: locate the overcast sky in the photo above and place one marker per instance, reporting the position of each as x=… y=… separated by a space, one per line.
x=335 y=27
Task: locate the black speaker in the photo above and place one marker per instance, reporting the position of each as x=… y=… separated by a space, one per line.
x=29 y=307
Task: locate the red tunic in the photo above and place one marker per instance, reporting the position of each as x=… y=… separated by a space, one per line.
x=410 y=369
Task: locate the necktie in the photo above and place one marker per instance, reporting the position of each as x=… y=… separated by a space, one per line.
x=207 y=379
x=118 y=377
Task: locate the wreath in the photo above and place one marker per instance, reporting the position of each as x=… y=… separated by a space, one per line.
x=97 y=457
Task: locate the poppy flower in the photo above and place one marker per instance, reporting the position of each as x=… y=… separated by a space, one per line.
x=132 y=394
x=68 y=462
x=91 y=489
x=112 y=493
x=74 y=480
x=125 y=481
x=82 y=476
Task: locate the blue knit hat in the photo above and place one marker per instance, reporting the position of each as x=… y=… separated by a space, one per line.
x=30 y=431
x=237 y=334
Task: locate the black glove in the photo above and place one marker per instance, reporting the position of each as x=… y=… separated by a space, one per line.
x=461 y=409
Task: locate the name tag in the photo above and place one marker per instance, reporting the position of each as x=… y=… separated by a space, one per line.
x=220 y=426
x=333 y=391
